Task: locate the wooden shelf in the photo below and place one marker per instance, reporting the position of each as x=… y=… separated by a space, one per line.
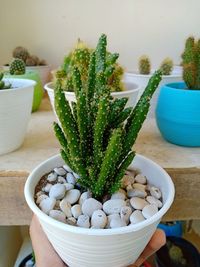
x=183 y=165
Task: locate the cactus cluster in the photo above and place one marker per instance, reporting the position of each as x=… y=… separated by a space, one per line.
x=191 y=63
x=167 y=66
x=3 y=85
x=79 y=57
x=97 y=133
x=144 y=65
x=30 y=60
x=17 y=67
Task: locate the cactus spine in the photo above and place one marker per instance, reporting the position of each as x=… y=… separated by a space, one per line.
x=191 y=63
x=166 y=66
x=144 y=65
x=97 y=142
x=17 y=67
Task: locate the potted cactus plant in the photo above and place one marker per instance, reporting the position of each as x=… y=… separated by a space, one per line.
x=92 y=214
x=16 y=96
x=79 y=57
x=178 y=109
x=17 y=69
x=141 y=77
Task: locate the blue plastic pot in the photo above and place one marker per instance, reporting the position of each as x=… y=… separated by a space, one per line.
x=173 y=229
x=178 y=114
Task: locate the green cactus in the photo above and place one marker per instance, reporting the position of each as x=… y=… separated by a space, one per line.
x=166 y=66
x=98 y=133
x=191 y=63
x=21 y=53
x=17 y=67
x=3 y=85
x=144 y=65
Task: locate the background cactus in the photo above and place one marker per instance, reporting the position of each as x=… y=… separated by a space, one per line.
x=95 y=138
x=167 y=66
x=17 y=67
x=191 y=63
x=144 y=65
x=2 y=83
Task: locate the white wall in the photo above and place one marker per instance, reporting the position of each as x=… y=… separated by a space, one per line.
x=49 y=28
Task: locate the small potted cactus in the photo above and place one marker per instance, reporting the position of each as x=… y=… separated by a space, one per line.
x=141 y=77
x=79 y=57
x=16 y=96
x=17 y=69
x=178 y=109
x=32 y=62
x=95 y=200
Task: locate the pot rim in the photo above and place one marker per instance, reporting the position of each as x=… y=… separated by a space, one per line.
x=24 y=83
x=137 y=74
x=48 y=87
x=172 y=86
x=122 y=230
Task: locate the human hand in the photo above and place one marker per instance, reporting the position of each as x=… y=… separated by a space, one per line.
x=46 y=256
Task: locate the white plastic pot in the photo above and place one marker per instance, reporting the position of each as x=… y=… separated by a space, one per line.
x=132 y=92
x=119 y=247
x=15 y=111
x=142 y=81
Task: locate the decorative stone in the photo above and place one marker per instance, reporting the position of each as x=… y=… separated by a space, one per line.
x=71 y=221
x=98 y=219
x=58 y=215
x=76 y=175
x=136 y=193
x=138 y=203
x=65 y=206
x=47 y=204
x=76 y=210
x=155 y=201
x=67 y=168
x=128 y=204
x=113 y=206
x=61 y=180
x=127 y=180
x=136 y=217
x=83 y=221
x=119 y=195
x=90 y=205
x=52 y=177
x=149 y=210
x=125 y=214
x=47 y=188
x=139 y=186
x=84 y=196
x=72 y=196
x=155 y=192
x=68 y=186
x=60 y=171
x=141 y=179
x=40 y=198
x=117 y=222
x=110 y=217
x=57 y=191
x=70 y=178
x=39 y=193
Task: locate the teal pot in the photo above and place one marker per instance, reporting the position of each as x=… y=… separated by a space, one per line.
x=178 y=114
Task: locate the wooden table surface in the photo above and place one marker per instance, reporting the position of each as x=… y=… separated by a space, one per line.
x=183 y=165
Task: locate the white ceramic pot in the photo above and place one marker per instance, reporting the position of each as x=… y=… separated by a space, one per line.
x=119 y=247
x=15 y=111
x=132 y=92
x=142 y=81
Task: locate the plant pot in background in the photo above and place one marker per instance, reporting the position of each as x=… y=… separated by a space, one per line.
x=142 y=81
x=15 y=111
x=178 y=114
x=101 y=247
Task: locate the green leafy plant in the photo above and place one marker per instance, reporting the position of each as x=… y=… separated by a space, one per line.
x=17 y=67
x=167 y=66
x=79 y=57
x=98 y=132
x=144 y=65
x=3 y=85
x=191 y=63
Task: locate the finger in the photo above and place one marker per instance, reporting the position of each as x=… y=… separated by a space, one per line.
x=157 y=241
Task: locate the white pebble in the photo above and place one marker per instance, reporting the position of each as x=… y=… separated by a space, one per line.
x=40 y=198
x=76 y=175
x=61 y=180
x=68 y=186
x=155 y=192
x=60 y=171
x=65 y=206
x=155 y=201
x=109 y=219
x=84 y=196
x=47 y=188
x=113 y=206
x=125 y=214
x=57 y=191
x=117 y=222
x=136 y=217
x=149 y=210
x=70 y=178
x=90 y=205
x=76 y=211
x=140 y=179
x=99 y=219
x=71 y=221
x=136 y=193
x=139 y=186
x=39 y=193
x=127 y=180
x=138 y=203
x=83 y=221
x=119 y=195
x=47 y=204
x=67 y=168
x=72 y=196
x=129 y=187
x=52 y=177
x=58 y=215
